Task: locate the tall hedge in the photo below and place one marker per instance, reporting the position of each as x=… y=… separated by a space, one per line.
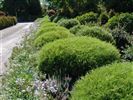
x=68 y=23
x=75 y=56
x=111 y=82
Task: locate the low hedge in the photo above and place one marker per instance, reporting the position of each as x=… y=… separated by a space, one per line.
x=75 y=56
x=123 y=20
x=68 y=23
x=51 y=36
x=97 y=32
x=6 y=21
x=90 y=17
x=111 y=82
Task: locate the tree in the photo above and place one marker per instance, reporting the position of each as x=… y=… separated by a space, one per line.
x=25 y=10
x=71 y=8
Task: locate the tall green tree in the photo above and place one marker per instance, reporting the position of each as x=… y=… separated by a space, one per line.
x=71 y=8
x=23 y=9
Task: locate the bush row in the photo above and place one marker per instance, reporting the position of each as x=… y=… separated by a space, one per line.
x=80 y=53
x=6 y=21
x=68 y=23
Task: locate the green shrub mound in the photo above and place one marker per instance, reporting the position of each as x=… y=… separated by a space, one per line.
x=6 y=21
x=51 y=36
x=47 y=24
x=123 y=20
x=68 y=23
x=90 y=17
x=46 y=29
x=97 y=32
x=76 y=28
x=75 y=56
x=112 y=82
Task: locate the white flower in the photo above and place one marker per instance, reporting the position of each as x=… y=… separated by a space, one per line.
x=36 y=92
x=23 y=91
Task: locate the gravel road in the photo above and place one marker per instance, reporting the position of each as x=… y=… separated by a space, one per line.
x=9 y=38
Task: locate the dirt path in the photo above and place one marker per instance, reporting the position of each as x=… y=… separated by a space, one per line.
x=9 y=38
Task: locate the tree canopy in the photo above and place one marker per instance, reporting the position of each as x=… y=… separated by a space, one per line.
x=25 y=10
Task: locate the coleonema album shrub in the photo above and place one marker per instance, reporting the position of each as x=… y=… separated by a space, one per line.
x=87 y=18
x=75 y=56
x=76 y=28
x=111 y=82
x=97 y=32
x=51 y=36
x=68 y=23
x=46 y=29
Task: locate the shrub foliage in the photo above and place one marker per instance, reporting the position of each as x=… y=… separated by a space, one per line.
x=75 y=56
x=50 y=36
x=68 y=23
x=87 y=18
x=123 y=20
x=97 y=32
x=112 y=82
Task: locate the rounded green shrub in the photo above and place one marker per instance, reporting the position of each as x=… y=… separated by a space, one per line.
x=47 y=24
x=48 y=29
x=111 y=82
x=68 y=23
x=75 y=56
x=76 y=28
x=51 y=36
x=90 y=17
x=123 y=20
x=97 y=32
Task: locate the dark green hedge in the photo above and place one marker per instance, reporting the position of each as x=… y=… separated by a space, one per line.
x=75 y=56
x=6 y=21
x=112 y=82
x=124 y=20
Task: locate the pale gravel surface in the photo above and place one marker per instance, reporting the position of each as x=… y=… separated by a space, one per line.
x=9 y=38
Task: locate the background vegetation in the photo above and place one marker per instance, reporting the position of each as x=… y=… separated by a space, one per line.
x=81 y=49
